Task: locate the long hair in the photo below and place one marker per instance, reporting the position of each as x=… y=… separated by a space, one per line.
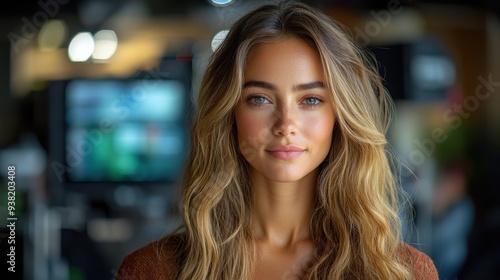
x=355 y=225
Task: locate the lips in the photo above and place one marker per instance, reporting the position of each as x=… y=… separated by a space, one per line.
x=285 y=152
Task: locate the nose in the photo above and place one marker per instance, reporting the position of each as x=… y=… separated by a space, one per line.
x=285 y=122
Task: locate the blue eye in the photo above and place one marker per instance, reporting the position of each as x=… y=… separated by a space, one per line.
x=312 y=101
x=257 y=100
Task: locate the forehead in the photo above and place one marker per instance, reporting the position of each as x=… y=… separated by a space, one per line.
x=288 y=57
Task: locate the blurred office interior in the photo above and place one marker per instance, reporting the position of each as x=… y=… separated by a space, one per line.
x=96 y=99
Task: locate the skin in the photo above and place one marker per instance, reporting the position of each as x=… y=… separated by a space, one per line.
x=284 y=102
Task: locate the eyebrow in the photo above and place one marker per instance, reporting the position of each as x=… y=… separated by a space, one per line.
x=269 y=86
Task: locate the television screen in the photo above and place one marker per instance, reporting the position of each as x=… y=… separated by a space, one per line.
x=128 y=130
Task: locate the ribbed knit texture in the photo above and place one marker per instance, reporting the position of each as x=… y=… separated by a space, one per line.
x=162 y=259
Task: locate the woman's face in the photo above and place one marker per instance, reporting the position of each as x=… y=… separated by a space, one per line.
x=285 y=118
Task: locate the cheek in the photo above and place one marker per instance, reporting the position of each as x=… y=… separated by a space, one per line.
x=246 y=127
x=321 y=130
x=250 y=134
x=252 y=130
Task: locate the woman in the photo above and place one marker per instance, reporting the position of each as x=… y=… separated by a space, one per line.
x=288 y=176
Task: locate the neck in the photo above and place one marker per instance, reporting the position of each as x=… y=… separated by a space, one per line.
x=282 y=211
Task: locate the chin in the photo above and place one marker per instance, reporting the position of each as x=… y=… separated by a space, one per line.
x=285 y=177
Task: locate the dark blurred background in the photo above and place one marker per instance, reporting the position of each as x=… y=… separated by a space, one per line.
x=96 y=99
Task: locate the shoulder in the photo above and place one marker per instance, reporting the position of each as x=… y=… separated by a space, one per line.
x=420 y=264
x=160 y=259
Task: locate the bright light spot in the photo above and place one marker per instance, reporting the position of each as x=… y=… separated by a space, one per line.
x=106 y=43
x=81 y=47
x=218 y=39
x=52 y=35
x=221 y=2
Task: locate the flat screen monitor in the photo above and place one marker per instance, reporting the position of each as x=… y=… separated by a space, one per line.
x=125 y=130
x=121 y=131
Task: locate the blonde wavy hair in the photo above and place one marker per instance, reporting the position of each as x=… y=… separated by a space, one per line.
x=355 y=227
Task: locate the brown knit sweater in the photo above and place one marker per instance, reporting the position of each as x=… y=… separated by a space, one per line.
x=161 y=260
